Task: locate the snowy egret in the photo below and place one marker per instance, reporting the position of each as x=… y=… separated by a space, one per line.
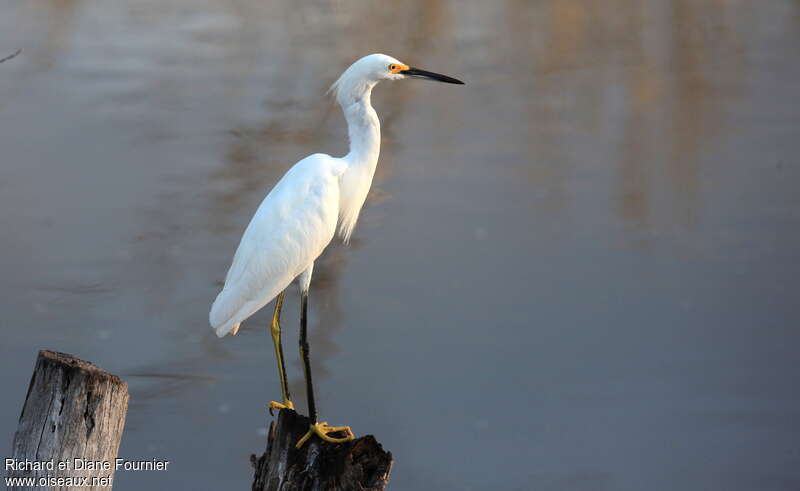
x=299 y=218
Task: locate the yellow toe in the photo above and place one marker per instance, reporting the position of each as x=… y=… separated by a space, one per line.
x=278 y=405
x=322 y=430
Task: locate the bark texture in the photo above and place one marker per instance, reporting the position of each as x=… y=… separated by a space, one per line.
x=318 y=466
x=73 y=410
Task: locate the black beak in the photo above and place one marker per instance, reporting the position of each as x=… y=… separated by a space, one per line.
x=417 y=73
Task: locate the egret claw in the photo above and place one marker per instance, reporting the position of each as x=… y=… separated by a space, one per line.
x=322 y=430
x=278 y=405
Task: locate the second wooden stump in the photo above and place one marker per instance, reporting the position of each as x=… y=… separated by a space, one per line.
x=358 y=465
x=72 y=410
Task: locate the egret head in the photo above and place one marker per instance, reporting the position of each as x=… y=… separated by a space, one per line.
x=362 y=76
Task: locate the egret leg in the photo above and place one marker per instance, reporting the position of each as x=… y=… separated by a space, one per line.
x=305 y=352
x=320 y=429
x=275 y=330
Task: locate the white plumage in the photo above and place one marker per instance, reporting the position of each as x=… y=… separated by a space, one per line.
x=290 y=229
x=299 y=217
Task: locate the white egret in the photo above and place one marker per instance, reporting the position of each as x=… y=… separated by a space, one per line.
x=299 y=218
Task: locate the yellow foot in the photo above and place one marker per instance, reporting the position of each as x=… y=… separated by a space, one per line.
x=278 y=405
x=322 y=430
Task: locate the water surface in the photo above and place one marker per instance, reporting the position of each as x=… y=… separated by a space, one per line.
x=577 y=272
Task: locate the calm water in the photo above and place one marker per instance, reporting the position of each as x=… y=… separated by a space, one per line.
x=577 y=272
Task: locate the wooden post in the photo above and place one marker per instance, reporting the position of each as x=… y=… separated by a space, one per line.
x=73 y=410
x=318 y=466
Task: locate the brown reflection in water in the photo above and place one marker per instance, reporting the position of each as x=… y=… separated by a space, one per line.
x=700 y=42
x=556 y=81
x=556 y=53
x=674 y=106
x=58 y=16
x=667 y=58
x=567 y=36
x=643 y=92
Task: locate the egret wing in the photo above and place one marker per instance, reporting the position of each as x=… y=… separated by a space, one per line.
x=290 y=229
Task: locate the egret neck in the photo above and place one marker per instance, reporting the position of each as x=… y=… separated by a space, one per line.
x=364 y=132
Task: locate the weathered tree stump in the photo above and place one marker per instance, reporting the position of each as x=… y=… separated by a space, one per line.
x=73 y=410
x=318 y=465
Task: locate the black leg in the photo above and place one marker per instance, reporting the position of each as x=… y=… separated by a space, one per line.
x=323 y=430
x=304 y=355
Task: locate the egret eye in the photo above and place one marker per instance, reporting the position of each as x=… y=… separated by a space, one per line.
x=392 y=67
